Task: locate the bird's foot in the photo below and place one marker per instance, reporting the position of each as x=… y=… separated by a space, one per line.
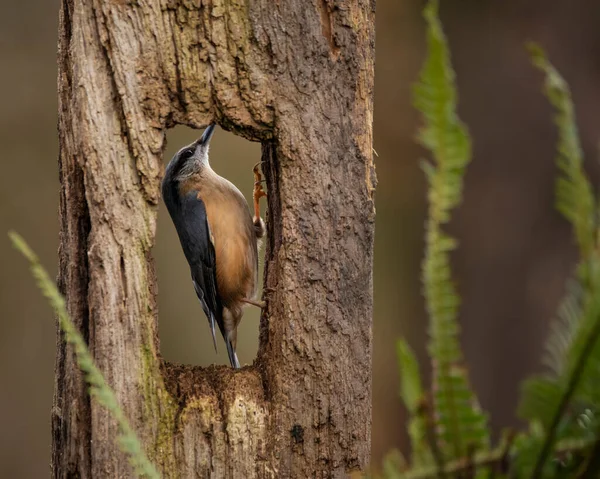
x=258 y=193
x=259 y=304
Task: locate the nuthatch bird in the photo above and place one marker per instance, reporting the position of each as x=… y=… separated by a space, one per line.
x=218 y=236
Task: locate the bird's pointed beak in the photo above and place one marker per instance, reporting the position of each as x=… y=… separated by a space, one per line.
x=204 y=140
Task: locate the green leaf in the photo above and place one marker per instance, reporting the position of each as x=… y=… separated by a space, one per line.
x=555 y=401
x=541 y=396
x=565 y=403
x=411 y=390
x=460 y=424
x=393 y=465
x=574 y=194
x=413 y=396
x=564 y=330
x=99 y=389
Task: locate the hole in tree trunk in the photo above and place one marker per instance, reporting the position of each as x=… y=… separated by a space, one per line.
x=184 y=331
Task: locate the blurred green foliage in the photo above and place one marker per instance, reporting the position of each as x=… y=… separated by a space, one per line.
x=99 y=389
x=459 y=422
x=448 y=432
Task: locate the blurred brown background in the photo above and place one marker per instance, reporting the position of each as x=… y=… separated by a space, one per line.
x=515 y=250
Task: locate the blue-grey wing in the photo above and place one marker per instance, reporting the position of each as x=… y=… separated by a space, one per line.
x=194 y=234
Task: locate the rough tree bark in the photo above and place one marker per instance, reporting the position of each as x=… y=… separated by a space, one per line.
x=296 y=75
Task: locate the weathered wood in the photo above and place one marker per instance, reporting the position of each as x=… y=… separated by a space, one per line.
x=297 y=76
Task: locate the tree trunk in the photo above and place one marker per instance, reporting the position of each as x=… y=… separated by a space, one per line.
x=297 y=76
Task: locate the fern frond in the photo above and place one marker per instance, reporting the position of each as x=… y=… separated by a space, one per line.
x=460 y=424
x=394 y=465
x=413 y=396
x=541 y=396
x=559 y=401
x=567 y=456
x=564 y=329
x=586 y=347
x=574 y=194
x=483 y=464
x=99 y=390
x=552 y=402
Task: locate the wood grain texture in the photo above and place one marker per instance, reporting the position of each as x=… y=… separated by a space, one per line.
x=297 y=76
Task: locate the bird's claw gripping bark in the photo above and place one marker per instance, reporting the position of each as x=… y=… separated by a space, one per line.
x=258 y=193
x=258 y=304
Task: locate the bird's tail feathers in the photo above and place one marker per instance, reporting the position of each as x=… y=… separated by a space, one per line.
x=233 y=359
x=211 y=321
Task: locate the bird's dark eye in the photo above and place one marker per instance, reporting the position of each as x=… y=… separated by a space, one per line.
x=187 y=153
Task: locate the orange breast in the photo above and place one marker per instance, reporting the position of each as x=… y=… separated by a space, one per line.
x=235 y=247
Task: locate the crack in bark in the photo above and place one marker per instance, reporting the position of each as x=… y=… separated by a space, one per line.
x=71 y=410
x=73 y=273
x=326 y=11
x=179 y=96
